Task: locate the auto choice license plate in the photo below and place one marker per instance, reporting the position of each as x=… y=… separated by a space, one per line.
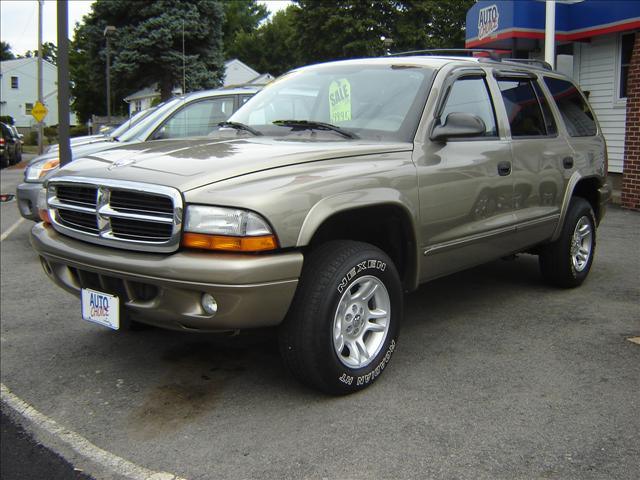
x=102 y=308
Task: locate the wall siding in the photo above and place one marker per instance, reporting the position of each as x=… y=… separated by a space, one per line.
x=597 y=74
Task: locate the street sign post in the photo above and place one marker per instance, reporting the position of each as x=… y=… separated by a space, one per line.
x=39 y=111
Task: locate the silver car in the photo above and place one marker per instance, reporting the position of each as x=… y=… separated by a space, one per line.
x=192 y=115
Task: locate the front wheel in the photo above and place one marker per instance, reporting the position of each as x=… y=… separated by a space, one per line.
x=567 y=261
x=342 y=327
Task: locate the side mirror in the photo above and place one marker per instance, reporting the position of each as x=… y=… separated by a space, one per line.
x=459 y=124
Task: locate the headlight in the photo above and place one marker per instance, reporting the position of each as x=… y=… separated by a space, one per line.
x=38 y=170
x=217 y=228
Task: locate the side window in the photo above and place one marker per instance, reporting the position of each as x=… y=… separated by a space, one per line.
x=626 y=49
x=575 y=112
x=197 y=119
x=14 y=82
x=470 y=95
x=523 y=108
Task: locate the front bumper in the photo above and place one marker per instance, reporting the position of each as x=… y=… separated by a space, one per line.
x=165 y=290
x=27 y=194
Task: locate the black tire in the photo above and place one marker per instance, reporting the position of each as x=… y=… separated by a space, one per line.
x=556 y=260
x=306 y=336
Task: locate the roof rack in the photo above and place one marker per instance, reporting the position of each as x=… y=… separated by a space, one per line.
x=491 y=54
x=466 y=52
x=529 y=61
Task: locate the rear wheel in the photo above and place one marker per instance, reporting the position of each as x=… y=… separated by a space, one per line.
x=342 y=327
x=567 y=261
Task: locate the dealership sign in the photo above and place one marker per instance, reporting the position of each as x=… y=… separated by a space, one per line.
x=487 y=21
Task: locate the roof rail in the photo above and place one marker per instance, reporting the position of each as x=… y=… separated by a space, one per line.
x=529 y=61
x=492 y=54
x=466 y=52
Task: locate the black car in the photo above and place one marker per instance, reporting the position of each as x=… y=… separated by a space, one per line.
x=10 y=146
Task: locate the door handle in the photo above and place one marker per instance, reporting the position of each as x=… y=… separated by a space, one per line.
x=567 y=162
x=504 y=169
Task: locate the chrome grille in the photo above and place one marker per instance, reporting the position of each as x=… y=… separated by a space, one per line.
x=129 y=215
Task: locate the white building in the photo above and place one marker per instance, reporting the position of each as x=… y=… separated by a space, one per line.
x=19 y=91
x=239 y=73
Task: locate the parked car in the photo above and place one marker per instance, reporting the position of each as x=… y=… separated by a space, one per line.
x=341 y=186
x=10 y=146
x=189 y=115
x=112 y=134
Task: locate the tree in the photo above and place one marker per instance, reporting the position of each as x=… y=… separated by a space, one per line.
x=421 y=24
x=49 y=53
x=342 y=29
x=5 y=52
x=241 y=17
x=272 y=47
x=146 y=48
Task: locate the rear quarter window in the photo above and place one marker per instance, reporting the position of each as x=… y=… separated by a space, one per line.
x=574 y=110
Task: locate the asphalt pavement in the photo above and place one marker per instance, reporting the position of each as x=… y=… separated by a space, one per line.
x=496 y=376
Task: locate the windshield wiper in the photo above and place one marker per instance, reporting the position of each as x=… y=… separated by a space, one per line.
x=312 y=125
x=240 y=126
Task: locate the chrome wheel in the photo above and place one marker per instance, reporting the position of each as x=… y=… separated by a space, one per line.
x=361 y=322
x=581 y=244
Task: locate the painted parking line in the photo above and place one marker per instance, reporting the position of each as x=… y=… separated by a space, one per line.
x=79 y=444
x=11 y=229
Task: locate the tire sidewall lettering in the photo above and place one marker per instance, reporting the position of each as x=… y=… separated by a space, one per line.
x=360 y=267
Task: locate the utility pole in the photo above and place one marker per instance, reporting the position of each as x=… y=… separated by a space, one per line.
x=63 y=82
x=109 y=29
x=40 y=125
x=184 y=64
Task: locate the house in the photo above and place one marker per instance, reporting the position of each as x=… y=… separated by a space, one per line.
x=19 y=91
x=236 y=73
x=594 y=45
x=239 y=73
x=142 y=99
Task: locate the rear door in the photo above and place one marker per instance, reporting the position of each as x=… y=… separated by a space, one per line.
x=540 y=157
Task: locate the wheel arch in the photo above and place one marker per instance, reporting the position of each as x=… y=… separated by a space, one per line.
x=381 y=217
x=584 y=187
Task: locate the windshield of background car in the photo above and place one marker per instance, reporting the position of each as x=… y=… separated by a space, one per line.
x=137 y=118
x=376 y=102
x=143 y=125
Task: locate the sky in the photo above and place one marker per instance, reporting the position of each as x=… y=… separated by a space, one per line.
x=19 y=21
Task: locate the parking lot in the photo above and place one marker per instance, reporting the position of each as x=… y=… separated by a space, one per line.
x=496 y=376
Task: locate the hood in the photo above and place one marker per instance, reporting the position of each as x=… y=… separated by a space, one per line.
x=191 y=163
x=80 y=150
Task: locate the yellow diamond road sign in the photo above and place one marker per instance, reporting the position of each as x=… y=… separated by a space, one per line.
x=39 y=111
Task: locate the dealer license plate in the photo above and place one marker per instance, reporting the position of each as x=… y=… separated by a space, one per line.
x=101 y=308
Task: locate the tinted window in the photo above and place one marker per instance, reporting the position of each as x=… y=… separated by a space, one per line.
x=574 y=110
x=470 y=95
x=197 y=119
x=523 y=108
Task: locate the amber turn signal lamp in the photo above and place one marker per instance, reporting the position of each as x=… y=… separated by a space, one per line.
x=231 y=244
x=44 y=216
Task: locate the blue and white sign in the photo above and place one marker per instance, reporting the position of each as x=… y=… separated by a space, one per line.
x=488 y=21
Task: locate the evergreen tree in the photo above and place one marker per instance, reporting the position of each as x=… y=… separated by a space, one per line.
x=146 y=48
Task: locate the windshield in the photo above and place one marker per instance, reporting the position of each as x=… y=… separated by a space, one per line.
x=132 y=121
x=372 y=101
x=141 y=127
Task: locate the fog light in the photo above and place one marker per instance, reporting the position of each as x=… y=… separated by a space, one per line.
x=209 y=304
